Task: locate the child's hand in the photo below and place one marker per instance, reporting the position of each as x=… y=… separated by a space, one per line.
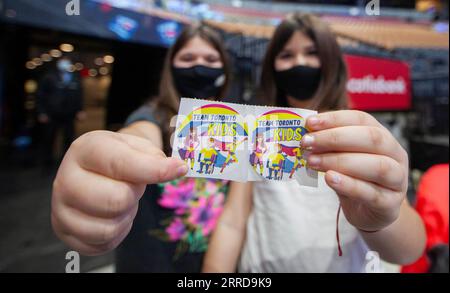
x=364 y=164
x=98 y=187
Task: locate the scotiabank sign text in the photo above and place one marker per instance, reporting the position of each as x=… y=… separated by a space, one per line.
x=378 y=84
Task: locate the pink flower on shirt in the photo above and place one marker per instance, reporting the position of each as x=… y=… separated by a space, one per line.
x=176 y=230
x=178 y=197
x=205 y=213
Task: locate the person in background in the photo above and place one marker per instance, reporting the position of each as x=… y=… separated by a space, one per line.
x=59 y=104
x=432 y=204
x=121 y=190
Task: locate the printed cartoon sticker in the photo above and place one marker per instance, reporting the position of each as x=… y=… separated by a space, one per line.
x=275 y=147
x=241 y=142
x=212 y=139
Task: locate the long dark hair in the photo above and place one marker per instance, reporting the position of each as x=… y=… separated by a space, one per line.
x=166 y=104
x=332 y=93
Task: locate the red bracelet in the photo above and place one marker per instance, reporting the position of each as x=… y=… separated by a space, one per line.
x=337 y=231
x=338 y=240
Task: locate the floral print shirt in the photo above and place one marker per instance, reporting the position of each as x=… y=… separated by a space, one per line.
x=174 y=222
x=196 y=205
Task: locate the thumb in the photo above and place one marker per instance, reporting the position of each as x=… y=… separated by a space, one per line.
x=166 y=169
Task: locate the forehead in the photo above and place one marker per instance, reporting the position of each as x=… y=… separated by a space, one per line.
x=299 y=40
x=198 y=46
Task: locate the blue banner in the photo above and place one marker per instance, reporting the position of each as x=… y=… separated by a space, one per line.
x=93 y=18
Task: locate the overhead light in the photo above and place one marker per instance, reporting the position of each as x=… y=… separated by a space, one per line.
x=30 y=86
x=46 y=57
x=104 y=71
x=79 y=66
x=30 y=65
x=108 y=59
x=93 y=72
x=55 y=53
x=99 y=61
x=66 y=48
x=37 y=61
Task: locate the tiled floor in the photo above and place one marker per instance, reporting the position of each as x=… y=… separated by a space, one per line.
x=27 y=242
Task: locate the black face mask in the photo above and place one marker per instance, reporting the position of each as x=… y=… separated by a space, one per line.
x=299 y=82
x=199 y=81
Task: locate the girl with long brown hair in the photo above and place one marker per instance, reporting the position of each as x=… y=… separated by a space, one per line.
x=108 y=181
x=273 y=226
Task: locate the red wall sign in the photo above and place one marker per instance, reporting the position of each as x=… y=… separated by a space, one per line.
x=378 y=84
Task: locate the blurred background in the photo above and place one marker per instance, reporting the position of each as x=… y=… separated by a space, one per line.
x=116 y=49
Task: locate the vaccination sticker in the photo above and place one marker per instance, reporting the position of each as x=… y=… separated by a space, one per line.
x=275 y=151
x=212 y=139
x=242 y=142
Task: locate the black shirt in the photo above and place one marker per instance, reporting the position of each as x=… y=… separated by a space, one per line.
x=173 y=224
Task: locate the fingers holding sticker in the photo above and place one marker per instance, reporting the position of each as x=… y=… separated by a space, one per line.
x=216 y=141
x=276 y=153
x=212 y=138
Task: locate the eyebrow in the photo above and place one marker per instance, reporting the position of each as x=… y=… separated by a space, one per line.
x=288 y=50
x=312 y=46
x=194 y=52
x=308 y=47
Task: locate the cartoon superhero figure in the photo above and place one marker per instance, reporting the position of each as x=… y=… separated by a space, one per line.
x=231 y=150
x=299 y=161
x=209 y=156
x=258 y=152
x=275 y=163
x=191 y=142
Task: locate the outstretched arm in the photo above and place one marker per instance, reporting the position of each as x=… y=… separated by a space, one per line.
x=368 y=169
x=228 y=237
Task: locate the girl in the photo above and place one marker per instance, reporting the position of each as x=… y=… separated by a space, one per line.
x=258 y=152
x=98 y=189
x=272 y=226
x=191 y=143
